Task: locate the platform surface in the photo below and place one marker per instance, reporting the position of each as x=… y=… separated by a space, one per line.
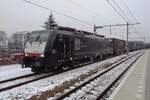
x=136 y=84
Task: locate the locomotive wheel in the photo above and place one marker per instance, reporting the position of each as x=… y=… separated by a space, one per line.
x=65 y=67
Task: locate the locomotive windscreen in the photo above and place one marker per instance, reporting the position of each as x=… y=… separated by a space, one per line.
x=38 y=36
x=36 y=41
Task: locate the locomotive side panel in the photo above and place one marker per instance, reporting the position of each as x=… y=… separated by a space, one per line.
x=92 y=47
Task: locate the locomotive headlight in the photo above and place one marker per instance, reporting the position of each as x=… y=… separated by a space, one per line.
x=42 y=55
x=26 y=54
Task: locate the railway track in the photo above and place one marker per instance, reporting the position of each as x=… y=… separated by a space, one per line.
x=25 y=79
x=15 y=78
x=22 y=80
x=18 y=81
x=106 y=91
x=98 y=86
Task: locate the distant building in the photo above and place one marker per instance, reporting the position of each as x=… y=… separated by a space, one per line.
x=3 y=42
x=16 y=41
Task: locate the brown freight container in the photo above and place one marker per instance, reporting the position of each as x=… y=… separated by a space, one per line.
x=119 y=46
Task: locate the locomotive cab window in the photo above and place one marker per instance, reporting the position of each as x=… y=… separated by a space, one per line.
x=77 y=44
x=38 y=36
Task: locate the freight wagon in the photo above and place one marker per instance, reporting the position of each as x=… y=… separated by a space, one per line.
x=119 y=46
x=135 y=45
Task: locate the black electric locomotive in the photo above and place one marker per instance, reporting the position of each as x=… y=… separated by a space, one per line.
x=63 y=47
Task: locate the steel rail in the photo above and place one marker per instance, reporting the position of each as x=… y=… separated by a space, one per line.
x=117 y=79
x=67 y=94
x=18 y=77
x=29 y=81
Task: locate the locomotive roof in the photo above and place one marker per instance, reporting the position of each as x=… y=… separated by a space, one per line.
x=78 y=31
x=73 y=30
x=79 y=34
x=69 y=30
x=40 y=31
x=115 y=39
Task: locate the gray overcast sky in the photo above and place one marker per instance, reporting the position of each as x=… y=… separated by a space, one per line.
x=17 y=15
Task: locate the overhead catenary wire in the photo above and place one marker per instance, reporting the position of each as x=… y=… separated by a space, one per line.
x=122 y=14
x=88 y=9
x=129 y=10
x=113 y=7
x=120 y=9
x=79 y=20
x=62 y=14
x=131 y=14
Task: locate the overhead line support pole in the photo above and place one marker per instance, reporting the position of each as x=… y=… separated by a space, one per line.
x=127 y=38
x=127 y=24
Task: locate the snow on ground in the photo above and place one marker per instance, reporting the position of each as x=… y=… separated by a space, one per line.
x=34 y=88
x=11 y=71
x=14 y=70
x=92 y=90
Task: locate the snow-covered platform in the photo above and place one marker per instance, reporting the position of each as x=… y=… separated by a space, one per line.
x=136 y=84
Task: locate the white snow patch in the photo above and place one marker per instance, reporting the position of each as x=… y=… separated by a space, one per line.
x=11 y=71
x=34 y=88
